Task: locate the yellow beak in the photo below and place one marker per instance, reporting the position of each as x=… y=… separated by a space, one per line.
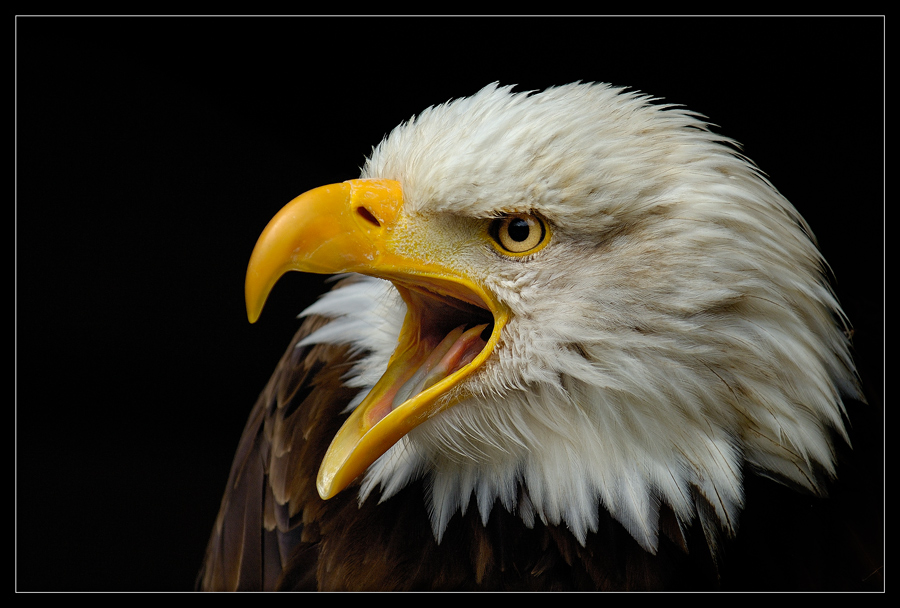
x=351 y=227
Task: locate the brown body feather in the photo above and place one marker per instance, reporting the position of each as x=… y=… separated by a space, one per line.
x=274 y=532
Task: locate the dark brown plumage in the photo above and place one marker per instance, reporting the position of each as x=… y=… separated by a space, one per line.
x=274 y=532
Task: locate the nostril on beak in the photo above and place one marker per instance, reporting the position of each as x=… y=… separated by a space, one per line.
x=367 y=215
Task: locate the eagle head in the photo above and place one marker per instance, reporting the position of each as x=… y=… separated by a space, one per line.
x=571 y=300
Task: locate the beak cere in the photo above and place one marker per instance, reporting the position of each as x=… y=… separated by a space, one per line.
x=451 y=327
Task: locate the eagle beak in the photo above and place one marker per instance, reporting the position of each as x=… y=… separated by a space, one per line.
x=451 y=327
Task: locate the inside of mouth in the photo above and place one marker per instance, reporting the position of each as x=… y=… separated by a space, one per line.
x=441 y=335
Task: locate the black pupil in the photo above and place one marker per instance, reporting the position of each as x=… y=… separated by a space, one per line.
x=518 y=229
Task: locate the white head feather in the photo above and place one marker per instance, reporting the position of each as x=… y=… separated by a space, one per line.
x=678 y=328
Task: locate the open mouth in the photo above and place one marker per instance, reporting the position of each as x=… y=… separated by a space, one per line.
x=451 y=327
x=441 y=335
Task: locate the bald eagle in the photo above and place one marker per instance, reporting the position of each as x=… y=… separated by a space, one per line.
x=571 y=328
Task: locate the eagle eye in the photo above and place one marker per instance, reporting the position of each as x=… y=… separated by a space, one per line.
x=519 y=233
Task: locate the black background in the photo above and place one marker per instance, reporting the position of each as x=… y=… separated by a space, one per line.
x=151 y=152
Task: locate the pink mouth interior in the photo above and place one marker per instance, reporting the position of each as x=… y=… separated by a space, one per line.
x=449 y=335
x=455 y=351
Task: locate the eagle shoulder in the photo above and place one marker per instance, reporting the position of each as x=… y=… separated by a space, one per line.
x=265 y=526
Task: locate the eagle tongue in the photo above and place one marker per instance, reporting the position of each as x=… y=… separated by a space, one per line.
x=458 y=348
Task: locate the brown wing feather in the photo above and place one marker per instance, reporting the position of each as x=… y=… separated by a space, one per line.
x=274 y=532
x=263 y=522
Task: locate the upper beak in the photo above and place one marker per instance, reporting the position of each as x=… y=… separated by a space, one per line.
x=350 y=227
x=332 y=229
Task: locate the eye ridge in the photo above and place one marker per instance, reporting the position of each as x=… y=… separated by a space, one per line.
x=519 y=233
